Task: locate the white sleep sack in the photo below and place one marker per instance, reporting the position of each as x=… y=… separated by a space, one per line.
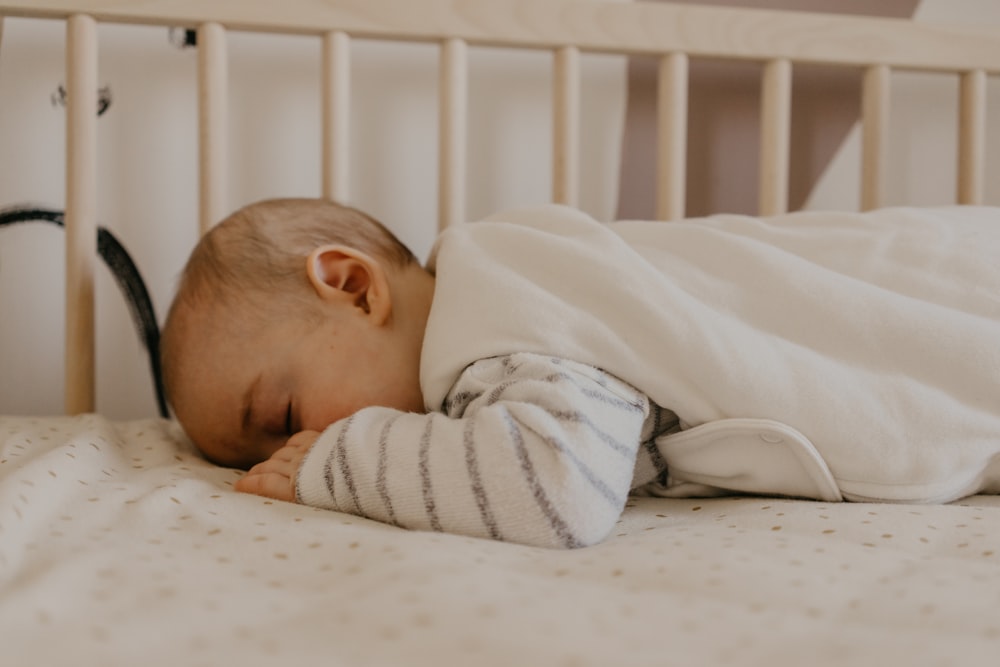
x=826 y=355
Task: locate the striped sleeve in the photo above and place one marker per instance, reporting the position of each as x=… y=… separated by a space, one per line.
x=528 y=449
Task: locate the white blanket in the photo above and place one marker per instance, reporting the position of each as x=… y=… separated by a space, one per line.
x=120 y=546
x=852 y=354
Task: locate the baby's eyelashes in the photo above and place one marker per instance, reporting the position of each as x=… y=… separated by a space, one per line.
x=279 y=420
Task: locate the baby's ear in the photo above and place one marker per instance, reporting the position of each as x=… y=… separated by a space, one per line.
x=341 y=274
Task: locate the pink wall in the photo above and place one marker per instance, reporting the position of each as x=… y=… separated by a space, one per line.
x=723 y=121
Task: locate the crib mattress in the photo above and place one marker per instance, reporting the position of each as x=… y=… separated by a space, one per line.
x=119 y=545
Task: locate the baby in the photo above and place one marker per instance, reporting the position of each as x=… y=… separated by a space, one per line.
x=512 y=389
x=295 y=315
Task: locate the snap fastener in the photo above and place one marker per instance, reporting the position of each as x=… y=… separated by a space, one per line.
x=771 y=438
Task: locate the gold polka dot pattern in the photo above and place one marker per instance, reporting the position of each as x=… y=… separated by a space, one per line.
x=119 y=545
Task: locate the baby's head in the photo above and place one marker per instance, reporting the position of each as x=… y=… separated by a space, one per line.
x=290 y=315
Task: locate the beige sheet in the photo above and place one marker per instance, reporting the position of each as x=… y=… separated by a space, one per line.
x=120 y=546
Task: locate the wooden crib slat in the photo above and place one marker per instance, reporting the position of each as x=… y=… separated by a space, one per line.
x=875 y=135
x=81 y=210
x=212 y=123
x=336 y=73
x=672 y=105
x=775 y=137
x=971 y=137
x=452 y=117
x=566 y=126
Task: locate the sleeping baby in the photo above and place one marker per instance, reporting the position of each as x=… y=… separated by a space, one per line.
x=543 y=365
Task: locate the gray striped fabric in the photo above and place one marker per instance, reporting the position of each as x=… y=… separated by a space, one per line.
x=527 y=449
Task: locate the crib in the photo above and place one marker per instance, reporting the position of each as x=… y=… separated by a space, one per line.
x=120 y=543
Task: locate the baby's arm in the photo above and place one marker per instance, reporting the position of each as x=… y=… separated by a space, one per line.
x=530 y=449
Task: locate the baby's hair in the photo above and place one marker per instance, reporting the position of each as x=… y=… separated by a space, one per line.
x=263 y=246
x=255 y=260
x=260 y=250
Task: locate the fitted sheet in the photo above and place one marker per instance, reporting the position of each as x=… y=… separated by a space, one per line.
x=120 y=545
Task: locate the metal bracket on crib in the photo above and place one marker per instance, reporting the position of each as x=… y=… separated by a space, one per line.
x=183 y=38
x=129 y=280
x=103 y=98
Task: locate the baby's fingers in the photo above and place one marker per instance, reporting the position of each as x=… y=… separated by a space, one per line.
x=302 y=440
x=268 y=484
x=275 y=477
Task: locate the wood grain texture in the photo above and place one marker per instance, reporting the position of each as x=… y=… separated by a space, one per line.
x=213 y=104
x=590 y=25
x=671 y=128
x=874 y=135
x=452 y=139
x=566 y=126
x=775 y=137
x=971 y=137
x=336 y=101
x=81 y=211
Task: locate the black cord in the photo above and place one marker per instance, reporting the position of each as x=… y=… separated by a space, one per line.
x=129 y=280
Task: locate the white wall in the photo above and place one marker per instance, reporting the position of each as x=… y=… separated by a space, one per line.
x=147 y=168
x=923 y=129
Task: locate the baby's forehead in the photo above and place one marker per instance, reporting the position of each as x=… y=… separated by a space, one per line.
x=187 y=316
x=208 y=304
x=191 y=326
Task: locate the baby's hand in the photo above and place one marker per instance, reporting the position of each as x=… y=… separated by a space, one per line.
x=275 y=477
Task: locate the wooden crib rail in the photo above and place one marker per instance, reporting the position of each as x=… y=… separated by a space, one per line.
x=590 y=25
x=675 y=33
